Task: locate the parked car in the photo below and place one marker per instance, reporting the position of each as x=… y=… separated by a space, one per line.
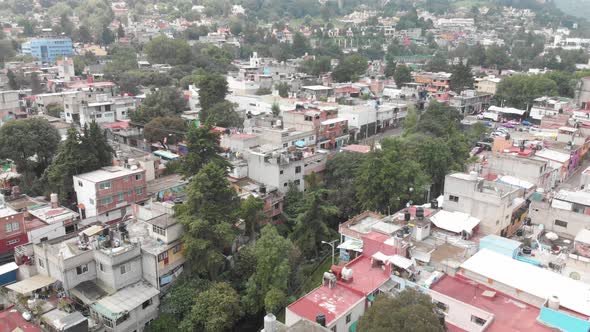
x=476 y=150
x=508 y=125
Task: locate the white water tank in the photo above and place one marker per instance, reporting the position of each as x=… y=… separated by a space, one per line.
x=346 y=273
x=553 y=302
x=473 y=175
x=270 y=323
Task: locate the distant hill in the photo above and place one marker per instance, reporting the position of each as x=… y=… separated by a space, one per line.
x=578 y=8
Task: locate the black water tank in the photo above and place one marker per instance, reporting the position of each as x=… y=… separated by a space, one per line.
x=407 y=216
x=420 y=212
x=519 y=232
x=321 y=319
x=434 y=204
x=527 y=250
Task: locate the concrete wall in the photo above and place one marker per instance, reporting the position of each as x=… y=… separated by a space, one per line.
x=149 y=265
x=357 y=311
x=459 y=313
x=86 y=194
x=543 y=213
x=111 y=274
x=533 y=171
x=139 y=317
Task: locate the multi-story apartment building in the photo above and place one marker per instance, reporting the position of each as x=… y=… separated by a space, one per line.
x=12 y=230
x=99 y=105
x=469 y=101
x=333 y=133
x=105 y=195
x=47 y=50
x=161 y=250
x=488 y=84
x=500 y=207
x=276 y=167
x=433 y=82
x=11 y=105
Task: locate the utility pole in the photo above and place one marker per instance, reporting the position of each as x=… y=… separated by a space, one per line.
x=331 y=244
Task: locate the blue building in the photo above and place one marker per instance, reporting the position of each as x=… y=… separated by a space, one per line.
x=47 y=50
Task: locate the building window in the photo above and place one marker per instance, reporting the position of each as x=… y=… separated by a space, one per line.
x=101 y=267
x=105 y=185
x=297 y=182
x=281 y=172
x=285 y=184
x=80 y=183
x=298 y=169
x=176 y=248
x=91 y=201
x=8 y=227
x=348 y=318
x=146 y=304
x=82 y=269
x=478 y=321
x=139 y=190
x=276 y=206
x=453 y=198
x=121 y=197
x=106 y=200
x=125 y=268
x=441 y=306
x=13 y=241
x=163 y=256
x=138 y=177
x=561 y=223
x=159 y=230
x=285 y=145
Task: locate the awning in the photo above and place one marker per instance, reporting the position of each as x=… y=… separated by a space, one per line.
x=92 y=230
x=400 y=261
x=455 y=222
x=8 y=268
x=31 y=284
x=380 y=257
x=352 y=244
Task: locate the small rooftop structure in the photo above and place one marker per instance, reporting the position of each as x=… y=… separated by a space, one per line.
x=125 y=300
x=455 y=222
x=541 y=283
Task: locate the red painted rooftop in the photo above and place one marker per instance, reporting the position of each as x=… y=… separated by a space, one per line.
x=332 y=302
x=510 y=315
x=11 y=319
x=243 y=136
x=338 y=300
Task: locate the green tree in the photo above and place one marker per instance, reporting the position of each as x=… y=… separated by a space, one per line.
x=350 y=68
x=283 y=88
x=402 y=75
x=166 y=130
x=107 y=37
x=212 y=89
x=30 y=143
x=409 y=311
x=36 y=87
x=311 y=225
x=520 y=90
x=300 y=45
x=12 y=82
x=438 y=63
x=70 y=160
x=388 y=179
x=166 y=50
x=222 y=114
x=208 y=217
x=251 y=211
x=339 y=178
x=410 y=123
x=275 y=109
x=389 y=68
x=120 y=31
x=6 y=51
x=202 y=147
x=497 y=57
x=461 y=78
x=96 y=144
x=268 y=287
x=160 y=103
x=216 y=309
